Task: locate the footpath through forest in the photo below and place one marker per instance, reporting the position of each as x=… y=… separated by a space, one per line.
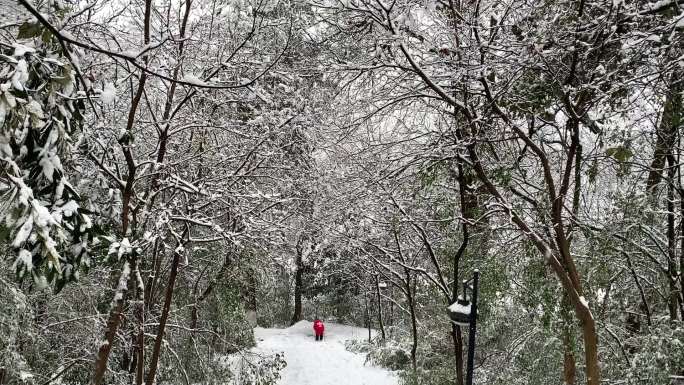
x=326 y=362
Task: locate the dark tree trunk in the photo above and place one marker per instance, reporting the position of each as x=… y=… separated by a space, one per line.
x=569 y=363
x=113 y=321
x=368 y=317
x=380 y=323
x=297 y=314
x=390 y=321
x=156 y=352
x=673 y=297
x=681 y=249
x=468 y=206
x=457 y=337
x=414 y=322
x=138 y=366
x=666 y=134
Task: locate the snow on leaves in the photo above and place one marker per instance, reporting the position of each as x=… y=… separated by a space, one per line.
x=40 y=211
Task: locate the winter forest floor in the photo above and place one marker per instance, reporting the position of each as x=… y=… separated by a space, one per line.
x=310 y=362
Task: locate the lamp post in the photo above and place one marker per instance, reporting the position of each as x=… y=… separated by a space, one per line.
x=463 y=312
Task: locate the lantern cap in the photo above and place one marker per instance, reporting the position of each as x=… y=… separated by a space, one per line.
x=460 y=312
x=460 y=307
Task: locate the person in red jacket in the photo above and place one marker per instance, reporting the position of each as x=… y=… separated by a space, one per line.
x=318 y=329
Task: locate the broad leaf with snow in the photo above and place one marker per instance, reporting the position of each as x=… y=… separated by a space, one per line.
x=40 y=116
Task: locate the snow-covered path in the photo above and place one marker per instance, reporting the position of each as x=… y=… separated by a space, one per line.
x=311 y=362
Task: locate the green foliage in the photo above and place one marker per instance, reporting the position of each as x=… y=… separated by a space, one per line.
x=39 y=118
x=266 y=371
x=659 y=354
x=29 y=30
x=438 y=376
x=544 y=298
x=231 y=320
x=433 y=173
x=502 y=175
x=532 y=93
x=386 y=354
x=243 y=369
x=619 y=153
x=622 y=154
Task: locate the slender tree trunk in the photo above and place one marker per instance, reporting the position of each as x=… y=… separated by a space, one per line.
x=673 y=297
x=154 y=360
x=560 y=260
x=644 y=303
x=414 y=322
x=681 y=251
x=139 y=345
x=368 y=317
x=391 y=310
x=115 y=315
x=569 y=364
x=468 y=205
x=297 y=314
x=380 y=323
x=287 y=300
x=251 y=299
x=113 y=321
x=591 y=350
x=666 y=133
x=569 y=361
x=457 y=338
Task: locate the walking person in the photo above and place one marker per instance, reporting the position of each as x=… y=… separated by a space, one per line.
x=318 y=329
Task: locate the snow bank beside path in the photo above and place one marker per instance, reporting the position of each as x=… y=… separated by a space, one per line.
x=311 y=362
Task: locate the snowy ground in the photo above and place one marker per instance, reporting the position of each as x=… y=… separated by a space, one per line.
x=311 y=362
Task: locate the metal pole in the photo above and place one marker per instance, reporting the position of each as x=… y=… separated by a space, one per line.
x=473 y=327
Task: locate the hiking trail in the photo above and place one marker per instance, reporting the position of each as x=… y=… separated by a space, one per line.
x=326 y=362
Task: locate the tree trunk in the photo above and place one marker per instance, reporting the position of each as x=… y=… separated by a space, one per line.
x=666 y=133
x=113 y=321
x=414 y=322
x=117 y=304
x=561 y=260
x=391 y=311
x=368 y=318
x=591 y=351
x=380 y=323
x=681 y=251
x=569 y=364
x=251 y=299
x=139 y=345
x=674 y=296
x=569 y=361
x=457 y=337
x=154 y=361
x=297 y=314
x=468 y=205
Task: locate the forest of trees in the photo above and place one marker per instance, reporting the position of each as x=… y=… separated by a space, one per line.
x=176 y=172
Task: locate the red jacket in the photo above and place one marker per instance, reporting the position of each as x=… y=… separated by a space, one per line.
x=318 y=327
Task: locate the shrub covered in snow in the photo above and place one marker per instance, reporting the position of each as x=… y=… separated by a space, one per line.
x=388 y=355
x=40 y=118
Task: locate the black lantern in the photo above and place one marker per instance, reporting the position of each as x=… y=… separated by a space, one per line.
x=463 y=312
x=460 y=311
